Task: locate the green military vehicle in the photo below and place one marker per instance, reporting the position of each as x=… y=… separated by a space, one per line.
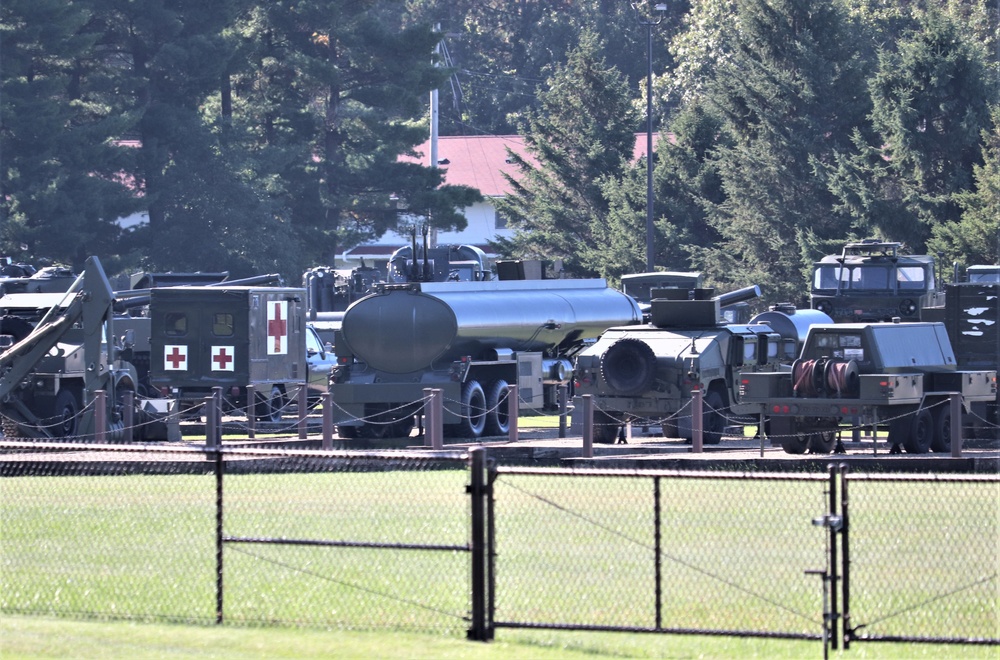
x=873 y=280
x=894 y=375
x=647 y=373
x=231 y=337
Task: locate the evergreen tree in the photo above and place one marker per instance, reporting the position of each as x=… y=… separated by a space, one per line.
x=790 y=94
x=931 y=100
x=61 y=183
x=330 y=91
x=975 y=238
x=582 y=133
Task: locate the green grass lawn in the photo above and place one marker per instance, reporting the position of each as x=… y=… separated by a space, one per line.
x=569 y=550
x=40 y=638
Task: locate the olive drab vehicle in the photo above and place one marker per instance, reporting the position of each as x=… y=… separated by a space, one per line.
x=57 y=351
x=229 y=337
x=872 y=281
x=895 y=375
x=647 y=373
x=471 y=340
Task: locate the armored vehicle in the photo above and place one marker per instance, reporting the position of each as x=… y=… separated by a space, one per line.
x=648 y=372
x=469 y=339
x=230 y=337
x=24 y=278
x=883 y=374
x=871 y=281
x=57 y=351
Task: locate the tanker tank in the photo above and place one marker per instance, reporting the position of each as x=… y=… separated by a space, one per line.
x=404 y=330
x=470 y=339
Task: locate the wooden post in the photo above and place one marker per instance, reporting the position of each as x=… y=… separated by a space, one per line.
x=588 y=426
x=327 y=420
x=512 y=412
x=697 y=439
x=303 y=407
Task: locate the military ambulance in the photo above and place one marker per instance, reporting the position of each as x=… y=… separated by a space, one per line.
x=230 y=337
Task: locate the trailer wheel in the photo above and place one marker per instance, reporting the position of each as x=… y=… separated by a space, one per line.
x=822 y=442
x=497 y=417
x=605 y=428
x=269 y=409
x=919 y=440
x=941 y=439
x=66 y=414
x=795 y=444
x=473 y=411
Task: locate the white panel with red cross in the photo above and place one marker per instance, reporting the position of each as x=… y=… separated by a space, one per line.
x=175 y=357
x=222 y=358
x=277 y=327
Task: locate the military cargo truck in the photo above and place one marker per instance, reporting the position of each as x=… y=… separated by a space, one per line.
x=647 y=373
x=230 y=337
x=895 y=375
x=873 y=281
x=469 y=339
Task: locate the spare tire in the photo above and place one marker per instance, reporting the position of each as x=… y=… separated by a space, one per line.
x=628 y=367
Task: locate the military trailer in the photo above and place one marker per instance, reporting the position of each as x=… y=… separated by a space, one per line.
x=229 y=337
x=872 y=281
x=896 y=375
x=471 y=340
x=647 y=373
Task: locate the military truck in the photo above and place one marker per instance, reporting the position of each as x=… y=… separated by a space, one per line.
x=471 y=340
x=230 y=337
x=894 y=375
x=57 y=350
x=647 y=373
x=971 y=315
x=872 y=280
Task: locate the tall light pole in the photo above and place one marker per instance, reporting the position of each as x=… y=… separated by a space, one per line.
x=648 y=21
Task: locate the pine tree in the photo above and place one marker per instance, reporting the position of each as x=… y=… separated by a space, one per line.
x=582 y=133
x=790 y=94
x=61 y=187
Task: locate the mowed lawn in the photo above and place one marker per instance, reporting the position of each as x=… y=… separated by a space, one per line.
x=77 y=551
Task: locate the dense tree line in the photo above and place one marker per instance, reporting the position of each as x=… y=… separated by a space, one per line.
x=262 y=136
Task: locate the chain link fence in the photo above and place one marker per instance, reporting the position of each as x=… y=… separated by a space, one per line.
x=395 y=540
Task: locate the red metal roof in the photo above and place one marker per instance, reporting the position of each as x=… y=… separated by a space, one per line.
x=478 y=161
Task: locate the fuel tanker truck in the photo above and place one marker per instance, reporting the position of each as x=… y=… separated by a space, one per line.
x=471 y=340
x=648 y=372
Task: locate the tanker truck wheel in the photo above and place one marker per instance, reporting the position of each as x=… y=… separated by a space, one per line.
x=605 y=428
x=497 y=419
x=473 y=411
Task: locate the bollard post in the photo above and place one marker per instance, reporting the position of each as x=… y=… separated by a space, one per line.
x=428 y=417
x=210 y=423
x=303 y=406
x=327 y=420
x=512 y=412
x=100 y=416
x=251 y=411
x=955 y=401
x=588 y=426
x=697 y=439
x=563 y=407
x=128 y=414
x=437 y=430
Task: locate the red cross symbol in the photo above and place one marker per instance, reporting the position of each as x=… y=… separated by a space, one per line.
x=175 y=357
x=277 y=327
x=221 y=358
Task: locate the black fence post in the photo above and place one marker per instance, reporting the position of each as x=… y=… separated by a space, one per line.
x=657 y=540
x=834 y=573
x=845 y=557
x=218 y=532
x=479 y=630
